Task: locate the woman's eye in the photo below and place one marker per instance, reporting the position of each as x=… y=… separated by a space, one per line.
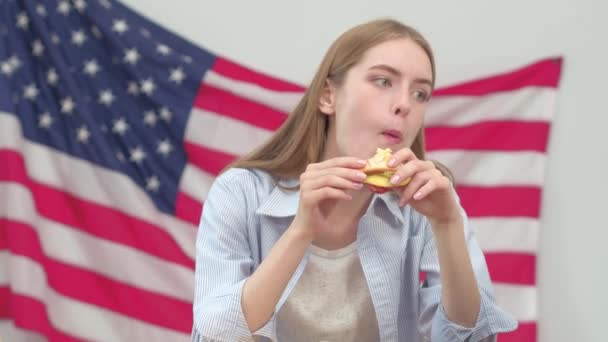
x=383 y=82
x=420 y=95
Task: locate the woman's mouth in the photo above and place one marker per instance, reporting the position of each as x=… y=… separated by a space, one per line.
x=393 y=136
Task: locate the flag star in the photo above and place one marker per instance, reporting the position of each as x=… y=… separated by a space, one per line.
x=120 y=126
x=37 y=47
x=45 y=120
x=55 y=39
x=23 y=21
x=105 y=3
x=106 y=97
x=64 y=7
x=52 y=77
x=152 y=183
x=187 y=59
x=164 y=147
x=150 y=118
x=148 y=86
x=120 y=156
x=96 y=32
x=145 y=33
x=91 y=67
x=177 y=75
x=67 y=105
x=120 y=26
x=30 y=91
x=165 y=114
x=83 y=134
x=14 y=61
x=41 y=10
x=137 y=155
x=7 y=68
x=163 y=49
x=133 y=88
x=80 y=5
x=78 y=37
x=131 y=56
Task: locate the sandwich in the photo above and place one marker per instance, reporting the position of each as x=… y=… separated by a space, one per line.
x=379 y=173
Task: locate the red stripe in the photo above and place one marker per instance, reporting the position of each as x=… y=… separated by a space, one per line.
x=505 y=201
x=90 y=217
x=5 y=309
x=545 y=73
x=187 y=208
x=227 y=104
x=96 y=289
x=207 y=159
x=512 y=268
x=30 y=314
x=238 y=72
x=494 y=136
x=526 y=332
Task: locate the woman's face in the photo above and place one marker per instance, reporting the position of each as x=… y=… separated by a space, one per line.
x=381 y=102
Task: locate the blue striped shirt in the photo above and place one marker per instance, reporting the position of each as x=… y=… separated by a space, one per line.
x=245 y=214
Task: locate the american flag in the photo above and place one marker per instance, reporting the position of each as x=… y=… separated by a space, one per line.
x=112 y=129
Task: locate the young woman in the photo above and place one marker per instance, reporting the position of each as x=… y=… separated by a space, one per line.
x=291 y=245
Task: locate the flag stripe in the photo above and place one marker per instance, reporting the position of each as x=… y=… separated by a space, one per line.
x=545 y=73
x=506 y=201
x=84 y=215
x=283 y=101
x=525 y=104
x=519 y=300
x=526 y=331
x=494 y=135
x=498 y=234
x=80 y=319
x=207 y=159
x=219 y=101
x=490 y=168
x=31 y=314
x=92 y=288
x=237 y=71
x=11 y=333
x=80 y=249
x=188 y=208
x=512 y=268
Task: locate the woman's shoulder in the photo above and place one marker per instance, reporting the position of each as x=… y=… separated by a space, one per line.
x=247 y=181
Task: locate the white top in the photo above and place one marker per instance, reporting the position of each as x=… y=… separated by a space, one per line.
x=331 y=301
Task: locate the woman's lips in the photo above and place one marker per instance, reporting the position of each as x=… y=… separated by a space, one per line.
x=393 y=136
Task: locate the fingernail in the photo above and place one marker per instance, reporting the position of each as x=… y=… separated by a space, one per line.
x=361 y=175
x=392 y=162
x=395 y=179
x=362 y=162
x=418 y=195
x=357 y=185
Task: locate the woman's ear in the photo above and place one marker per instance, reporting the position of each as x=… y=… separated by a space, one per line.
x=327 y=100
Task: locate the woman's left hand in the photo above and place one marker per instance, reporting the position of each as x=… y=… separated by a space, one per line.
x=429 y=191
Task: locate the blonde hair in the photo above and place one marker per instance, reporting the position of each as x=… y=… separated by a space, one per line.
x=301 y=139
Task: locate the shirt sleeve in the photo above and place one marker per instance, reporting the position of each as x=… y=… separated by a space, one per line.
x=223 y=261
x=433 y=322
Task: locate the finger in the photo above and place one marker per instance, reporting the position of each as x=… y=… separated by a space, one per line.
x=402 y=156
x=330 y=193
x=418 y=181
x=347 y=162
x=410 y=169
x=433 y=185
x=331 y=180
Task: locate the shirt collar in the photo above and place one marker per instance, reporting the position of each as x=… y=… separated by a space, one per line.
x=284 y=203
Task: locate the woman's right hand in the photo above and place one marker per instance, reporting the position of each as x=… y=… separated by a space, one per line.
x=321 y=186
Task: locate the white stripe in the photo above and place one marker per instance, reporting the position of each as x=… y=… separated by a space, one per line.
x=10 y=333
x=493 y=168
x=195 y=182
x=497 y=234
x=528 y=104
x=78 y=318
x=222 y=133
x=284 y=101
x=65 y=244
x=518 y=300
x=48 y=166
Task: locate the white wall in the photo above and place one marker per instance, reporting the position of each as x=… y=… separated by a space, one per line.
x=470 y=38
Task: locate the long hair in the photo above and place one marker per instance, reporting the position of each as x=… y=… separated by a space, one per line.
x=301 y=139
